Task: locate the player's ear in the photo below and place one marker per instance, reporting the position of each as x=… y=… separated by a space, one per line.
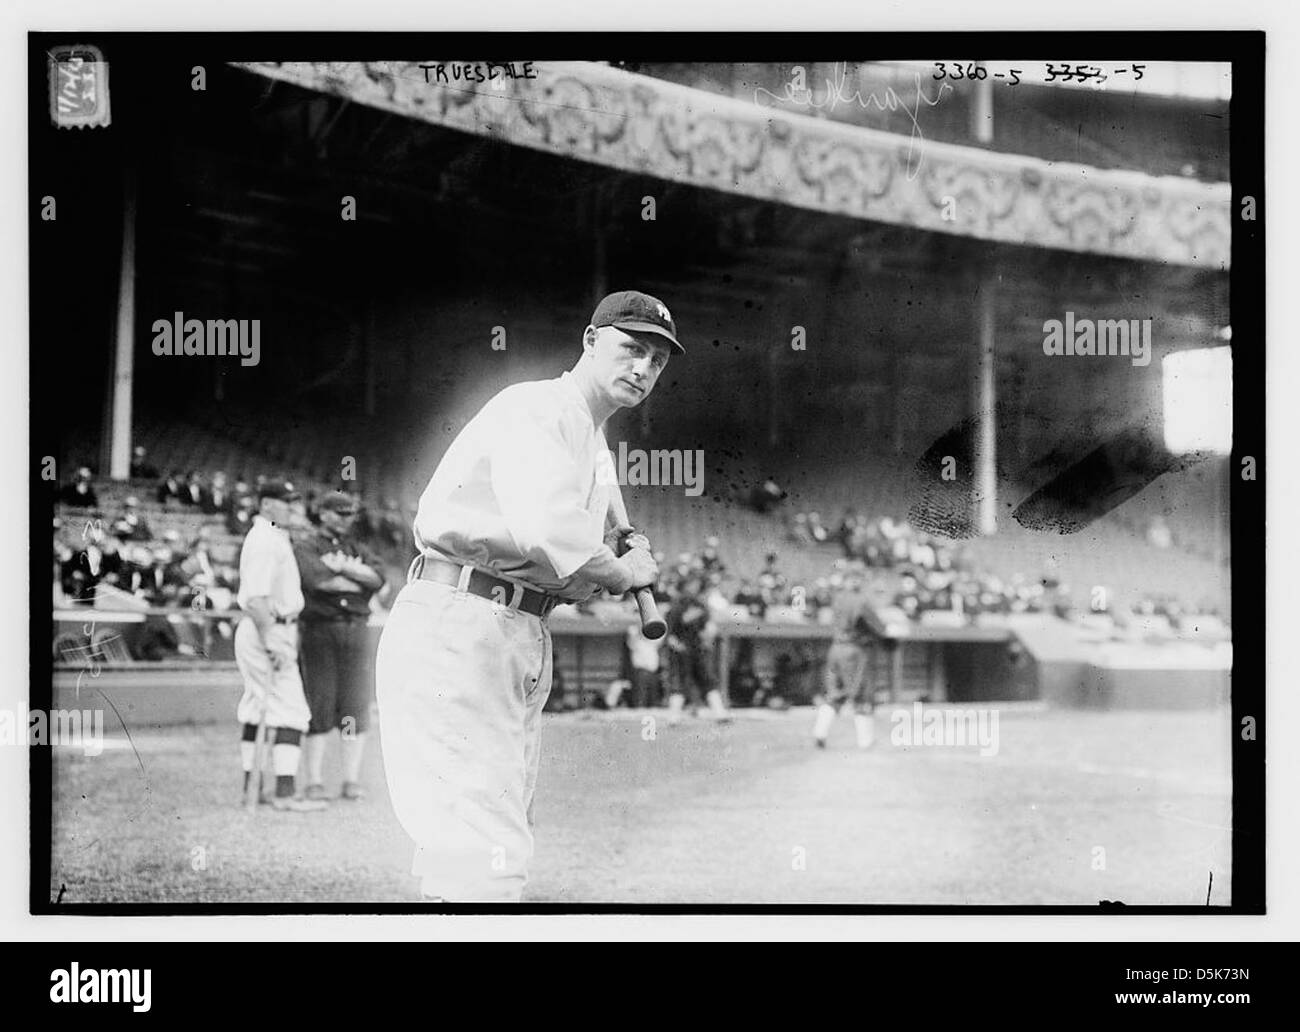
x=589 y=339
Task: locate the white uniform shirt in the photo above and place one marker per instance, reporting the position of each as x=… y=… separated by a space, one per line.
x=267 y=567
x=524 y=489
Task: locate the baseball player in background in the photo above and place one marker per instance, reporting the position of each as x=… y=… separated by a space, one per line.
x=846 y=678
x=515 y=519
x=266 y=644
x=339 y=575
x=689 y=650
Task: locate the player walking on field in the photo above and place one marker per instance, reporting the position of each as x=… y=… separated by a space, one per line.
x=515 y=519
x=846 y=678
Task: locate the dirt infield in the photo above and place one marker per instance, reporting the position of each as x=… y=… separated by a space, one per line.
x=1073 y=808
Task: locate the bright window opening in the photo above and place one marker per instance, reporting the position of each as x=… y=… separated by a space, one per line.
x=1198 y=401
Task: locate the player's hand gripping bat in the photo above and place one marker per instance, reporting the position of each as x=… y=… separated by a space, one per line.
x=652 y=624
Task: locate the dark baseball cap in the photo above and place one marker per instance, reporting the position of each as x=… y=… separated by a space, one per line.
x=281 y=489
x=636 y=312
x=338 y=501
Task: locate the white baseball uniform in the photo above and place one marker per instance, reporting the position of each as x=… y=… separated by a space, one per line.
x=267 y=567
x=523 y=492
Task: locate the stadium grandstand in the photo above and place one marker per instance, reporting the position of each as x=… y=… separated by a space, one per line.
x=861 y=301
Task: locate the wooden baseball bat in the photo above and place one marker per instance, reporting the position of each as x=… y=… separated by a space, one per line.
x=253 y=793
x=652 y=624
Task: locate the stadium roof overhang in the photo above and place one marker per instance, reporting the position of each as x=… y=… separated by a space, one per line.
x=639 y=124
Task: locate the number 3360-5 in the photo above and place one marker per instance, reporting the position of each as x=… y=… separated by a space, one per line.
x=971 y=70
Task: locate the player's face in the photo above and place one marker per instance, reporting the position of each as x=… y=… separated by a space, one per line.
x=338 y=522
x=627 y=367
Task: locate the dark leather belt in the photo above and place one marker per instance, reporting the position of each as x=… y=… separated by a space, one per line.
x=495 y=589
x=286 y=619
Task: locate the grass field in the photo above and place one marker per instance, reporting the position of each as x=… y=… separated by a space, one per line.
x=1075 y=807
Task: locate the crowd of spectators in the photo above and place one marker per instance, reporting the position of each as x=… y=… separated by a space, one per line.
x=159 y=572
x=160 y=567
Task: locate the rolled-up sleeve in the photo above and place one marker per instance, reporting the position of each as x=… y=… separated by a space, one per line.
x=542 y=490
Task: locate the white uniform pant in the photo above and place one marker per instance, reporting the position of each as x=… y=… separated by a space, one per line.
x=461 y=682
x=278 y=691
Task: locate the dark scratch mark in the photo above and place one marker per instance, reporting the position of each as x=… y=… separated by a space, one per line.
x=126 y=730
x=88 y=845
x=62 y=889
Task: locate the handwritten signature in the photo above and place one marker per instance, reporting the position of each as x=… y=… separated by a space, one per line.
x=836 y=93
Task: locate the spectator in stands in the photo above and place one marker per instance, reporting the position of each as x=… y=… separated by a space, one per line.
x=167 y=580
x=751 y=598
x=821 y=596
x=816 y=530
x=67 y=586
x=711 y=557
x=132 y=525
x=715 y=599
x=898 y=540
x=876 y=547
x=199 y=570
x=938 y=585
x=908 y=596
x=241 y=490
x=766 y=496
x=681 y=571
x=141 y=468
x=798 y=529
x=110 y=560
x=217 y=499
x=169 y=490
x=192 y=490
x=921 y=554
x=240 y=517
x=772 y=583
x=99 y=561
x=137 y=562
x=80 y=492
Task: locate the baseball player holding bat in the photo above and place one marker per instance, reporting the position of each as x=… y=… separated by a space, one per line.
x=266 y=649
x=521 y=514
